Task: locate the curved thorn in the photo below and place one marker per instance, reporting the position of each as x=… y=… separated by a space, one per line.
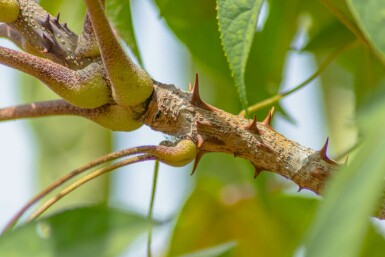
x=252 y=126
x=65 y=26
x=200 y=141
x=257 y=171
x=324 y=150
x=197 y=160
x=57 y=17
x=196 y=99
x=267 y=120
x=47 y=23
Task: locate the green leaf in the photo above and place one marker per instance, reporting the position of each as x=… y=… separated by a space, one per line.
x=352 y=195
x=237 y=23
x=87 y=231
x=216 y=213
x=197 y=29
x=341 y=10
x=119 y=13
x=370 y=17
x=223 y=250
x=265 y=67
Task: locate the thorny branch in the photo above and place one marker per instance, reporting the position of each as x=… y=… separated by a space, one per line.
x=167 y=109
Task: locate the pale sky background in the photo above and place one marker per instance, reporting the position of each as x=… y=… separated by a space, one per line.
x=133 y=184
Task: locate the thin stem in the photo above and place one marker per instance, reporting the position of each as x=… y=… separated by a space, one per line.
x=93 y=175
x=40 y=109
x=68 y=176
x=150 y=211
x=279 y=96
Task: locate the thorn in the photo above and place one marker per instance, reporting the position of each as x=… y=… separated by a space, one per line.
x=323 y=152
x=257 y=171
x=190 y=87
x=324 y=149
x=50 y=44
x=196 y=99
x=252 y=127
x=196 y=162
x=267 y=120
x=47 y=23
x=56 y=21
x=200 y=141
x=300 y=189
x=65 y=27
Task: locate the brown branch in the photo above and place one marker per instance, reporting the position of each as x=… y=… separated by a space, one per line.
x=218 y=131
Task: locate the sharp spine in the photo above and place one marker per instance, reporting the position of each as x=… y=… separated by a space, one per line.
x=47 y=23
x=200 y=141
x=196 y=99
x=267 y=120
x=257 y=171
x=252 y=126
x=197 y=160
x=50 y=44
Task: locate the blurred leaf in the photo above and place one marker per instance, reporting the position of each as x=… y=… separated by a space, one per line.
x=223 y=250
x=215 y=214
x=370 y=18
x=360 y=184
x=374 y=245
x=294 y=214
x=237 y=23
x=341 y=11
x=269 y=50
x=87 y=231
x=332 y=36
x=197 y=29
x=119 y=13
x=368 y=76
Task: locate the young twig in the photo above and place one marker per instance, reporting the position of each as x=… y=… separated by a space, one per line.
x=272 y=100
x=70 y=175
x=93 y=175
x=161 y=152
